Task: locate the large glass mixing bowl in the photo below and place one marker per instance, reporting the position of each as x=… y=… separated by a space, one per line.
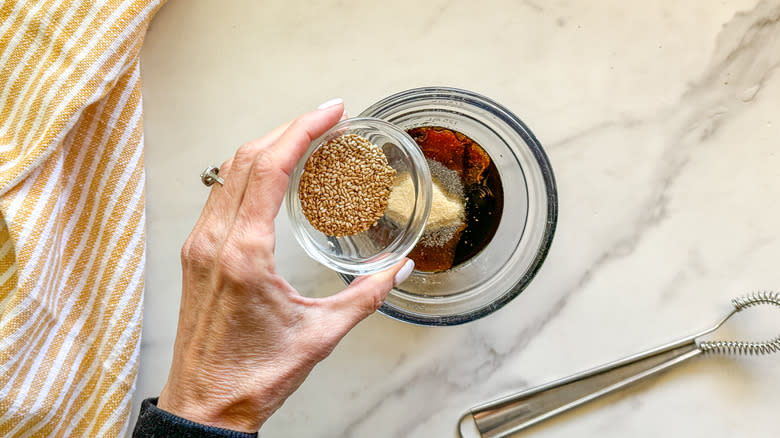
x=506 y=266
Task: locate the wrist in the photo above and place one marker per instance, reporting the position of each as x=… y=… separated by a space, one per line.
x=212 y=410
x=153 y=421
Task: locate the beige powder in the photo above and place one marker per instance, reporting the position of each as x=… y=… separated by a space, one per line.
x=447 y=211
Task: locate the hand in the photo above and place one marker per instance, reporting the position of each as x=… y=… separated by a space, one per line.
x=246 y=339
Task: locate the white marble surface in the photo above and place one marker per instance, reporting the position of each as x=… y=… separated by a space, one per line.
x=662 y=122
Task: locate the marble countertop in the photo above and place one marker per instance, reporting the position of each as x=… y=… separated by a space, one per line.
x=662 y=123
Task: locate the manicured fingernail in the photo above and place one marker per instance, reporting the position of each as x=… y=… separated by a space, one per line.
x=330 y=103
x=404 y=272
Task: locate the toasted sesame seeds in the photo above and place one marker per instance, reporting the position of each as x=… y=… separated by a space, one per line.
x=345 y=186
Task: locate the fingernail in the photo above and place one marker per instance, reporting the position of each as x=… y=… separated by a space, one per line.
x=404 y=272
x=330 y=103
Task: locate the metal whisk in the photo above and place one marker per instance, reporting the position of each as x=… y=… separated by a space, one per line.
x=506 y=416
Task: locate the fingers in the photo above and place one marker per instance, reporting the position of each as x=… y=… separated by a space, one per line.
x=236 y=171
x=364 y=295
x=296 y=139
x=269 y=174
x=223 y=201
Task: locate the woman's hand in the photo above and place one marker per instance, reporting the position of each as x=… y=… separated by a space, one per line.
x=246 y=339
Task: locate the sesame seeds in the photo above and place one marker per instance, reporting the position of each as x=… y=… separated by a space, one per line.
x=345 y=186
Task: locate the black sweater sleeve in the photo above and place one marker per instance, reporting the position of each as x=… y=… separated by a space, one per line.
x=154 y=422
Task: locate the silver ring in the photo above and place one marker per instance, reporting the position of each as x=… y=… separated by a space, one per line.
x=211 y=176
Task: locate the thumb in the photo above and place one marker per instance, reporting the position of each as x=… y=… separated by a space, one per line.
x=365 y=295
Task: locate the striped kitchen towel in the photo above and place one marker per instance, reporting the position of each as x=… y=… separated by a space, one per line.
x=71 y=214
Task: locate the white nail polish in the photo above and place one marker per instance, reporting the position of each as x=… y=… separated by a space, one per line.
x=330 y=103
x=404 y=272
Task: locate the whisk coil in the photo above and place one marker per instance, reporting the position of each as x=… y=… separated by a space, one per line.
x=746 y=348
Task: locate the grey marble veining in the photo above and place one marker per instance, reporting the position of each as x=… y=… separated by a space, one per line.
x=661 y=123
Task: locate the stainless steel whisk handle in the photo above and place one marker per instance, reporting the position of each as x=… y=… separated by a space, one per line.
x=741 y=347
x=509 y=415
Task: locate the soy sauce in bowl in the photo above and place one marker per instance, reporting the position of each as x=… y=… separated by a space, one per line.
x=482 y=193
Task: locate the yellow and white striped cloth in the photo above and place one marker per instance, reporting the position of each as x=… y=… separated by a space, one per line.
x=71 y=214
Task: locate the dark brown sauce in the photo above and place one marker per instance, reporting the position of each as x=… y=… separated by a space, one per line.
x=484 y=197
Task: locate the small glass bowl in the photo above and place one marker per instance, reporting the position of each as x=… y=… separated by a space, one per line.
x=387 y=242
